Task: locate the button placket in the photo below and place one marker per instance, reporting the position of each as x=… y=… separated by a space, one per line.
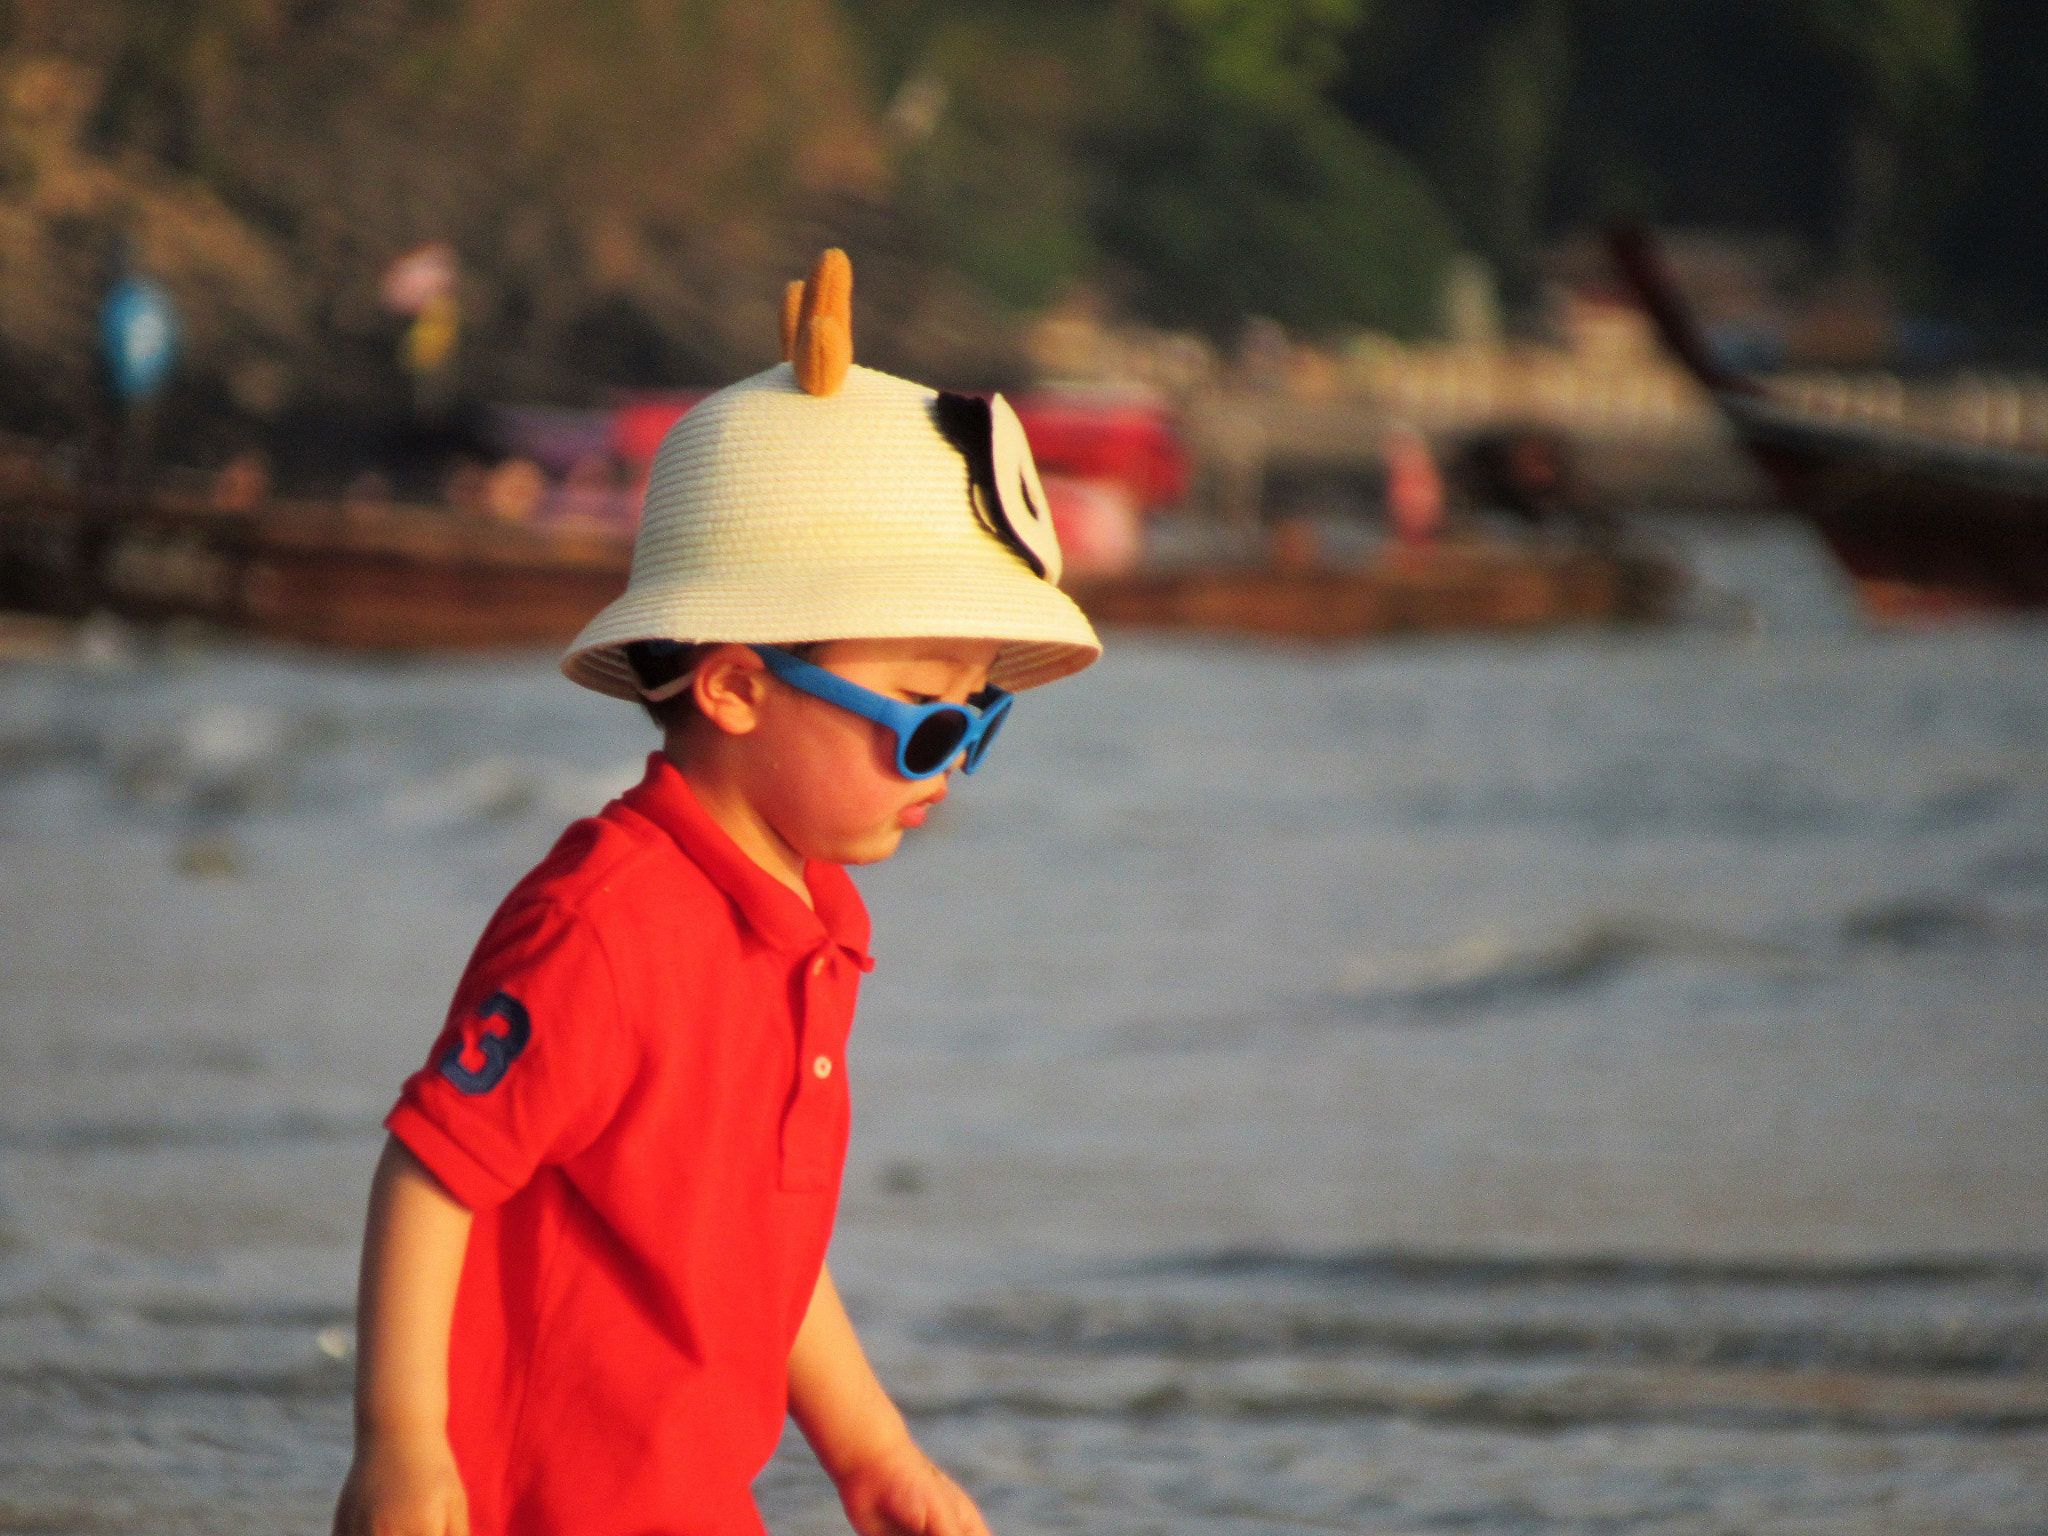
x=809 y=1121
x=815 y=983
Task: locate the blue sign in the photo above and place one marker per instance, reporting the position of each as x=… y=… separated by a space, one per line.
x=140 y=332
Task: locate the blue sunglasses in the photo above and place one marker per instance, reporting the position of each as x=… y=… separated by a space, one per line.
x=928 y=736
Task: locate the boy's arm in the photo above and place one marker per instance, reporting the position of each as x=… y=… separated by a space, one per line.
x=889 y=1486
x=404 y=1481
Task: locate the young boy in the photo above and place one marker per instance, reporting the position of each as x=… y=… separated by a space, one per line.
x=593 y=1276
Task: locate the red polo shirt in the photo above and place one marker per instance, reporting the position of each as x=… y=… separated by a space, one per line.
x=641 y=1094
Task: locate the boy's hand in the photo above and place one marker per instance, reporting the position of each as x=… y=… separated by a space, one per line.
x=903 y=1494
x=414 y=1492
x=889 y=1486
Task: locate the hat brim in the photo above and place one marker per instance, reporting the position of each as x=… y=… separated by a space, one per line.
x=1043 y=635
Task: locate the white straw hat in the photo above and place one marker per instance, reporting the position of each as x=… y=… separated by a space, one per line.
x=877 y=510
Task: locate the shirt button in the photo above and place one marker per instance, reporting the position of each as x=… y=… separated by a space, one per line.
x=818 y=969
x=822 y=1066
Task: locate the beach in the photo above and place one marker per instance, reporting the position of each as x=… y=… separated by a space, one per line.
x=1568 y=1085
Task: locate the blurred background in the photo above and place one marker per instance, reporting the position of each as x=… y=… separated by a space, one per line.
x=1029 y=192
x=1509 y=1000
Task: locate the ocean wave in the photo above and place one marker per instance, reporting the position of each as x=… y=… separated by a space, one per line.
x=1718 y=1332
x=219 y=759
x=178 y=1312
x=504 y=789
x=216 y=760
x=163 y=1135
x=63 y=746
x=2022 y=1271
x=1710 y=791
x=1495 y=968
x=325 y=1377
x=1937 y=921
x=2013 y=869
x=1773 y=1400
x=1491 y=968
x=1951 y=1342
x=1655 y=797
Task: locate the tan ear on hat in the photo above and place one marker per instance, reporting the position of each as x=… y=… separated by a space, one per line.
x=817 y=324
x=792 y=315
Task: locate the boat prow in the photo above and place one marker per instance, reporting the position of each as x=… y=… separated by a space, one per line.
x=1925 y=524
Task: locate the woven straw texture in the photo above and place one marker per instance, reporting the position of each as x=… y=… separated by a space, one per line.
x=778 y=517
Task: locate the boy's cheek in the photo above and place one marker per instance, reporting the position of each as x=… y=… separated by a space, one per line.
x=839 y=823
x=831 y=789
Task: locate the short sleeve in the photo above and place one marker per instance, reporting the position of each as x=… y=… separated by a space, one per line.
x=531 y=1064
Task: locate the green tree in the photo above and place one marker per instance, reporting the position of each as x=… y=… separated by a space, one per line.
x=1183 y=153
x=1230 y=186
x=1847 y=121
x=622 y=179
x=1992 y=247
x=1916 y=56
x=1915 y=64
x=983 y=105
x=1275 y=54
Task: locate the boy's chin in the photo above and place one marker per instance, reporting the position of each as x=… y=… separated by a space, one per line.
x=864 y=850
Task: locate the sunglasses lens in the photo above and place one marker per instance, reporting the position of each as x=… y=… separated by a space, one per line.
x=992 y=722
x=933 y=743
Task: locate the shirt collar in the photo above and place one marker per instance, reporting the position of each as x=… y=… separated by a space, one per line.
x=770 y=908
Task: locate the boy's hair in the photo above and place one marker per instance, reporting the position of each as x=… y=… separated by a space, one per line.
x=656 y=664
x=659 y=662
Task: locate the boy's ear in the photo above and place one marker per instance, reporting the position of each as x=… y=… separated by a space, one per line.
x=728 y=687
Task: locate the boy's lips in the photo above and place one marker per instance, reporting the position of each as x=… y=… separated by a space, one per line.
x=913 y=815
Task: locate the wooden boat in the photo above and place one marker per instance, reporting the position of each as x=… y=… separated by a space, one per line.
x=401 y=578
x=1925 y=525
x=1478 y=584
x=367 y=577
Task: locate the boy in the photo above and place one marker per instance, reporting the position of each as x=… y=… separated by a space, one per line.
x=593 y=1274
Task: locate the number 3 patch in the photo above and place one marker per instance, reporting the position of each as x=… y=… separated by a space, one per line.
x=499 y=1048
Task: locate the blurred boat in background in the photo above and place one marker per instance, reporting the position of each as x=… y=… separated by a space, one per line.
x=544 y=539
x=1451 y=584
x=365 y=576
x=1926 y=525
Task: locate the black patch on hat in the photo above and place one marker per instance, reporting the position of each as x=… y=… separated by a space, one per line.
x=969 y=425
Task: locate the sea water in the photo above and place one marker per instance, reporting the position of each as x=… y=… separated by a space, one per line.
x=1587 y=1084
